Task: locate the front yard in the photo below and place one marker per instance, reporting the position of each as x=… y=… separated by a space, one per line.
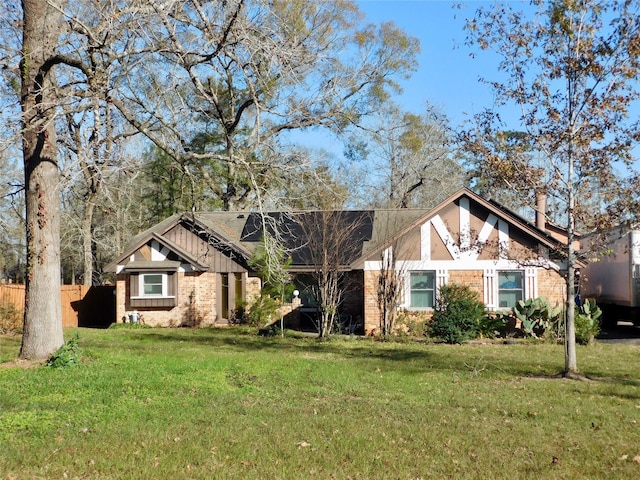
x=225 y=403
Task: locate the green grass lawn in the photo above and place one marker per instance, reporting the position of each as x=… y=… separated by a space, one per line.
x=225 y=403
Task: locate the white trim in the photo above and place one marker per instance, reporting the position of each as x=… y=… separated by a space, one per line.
x=464 y=264
x=503 y=238
x=425 y=241
x=158 y=252
x=530 y=282
x=387 y=256
x=446 y=237
x=487 y=228
x=442 y=278
x=465 y=225
x=490 y=291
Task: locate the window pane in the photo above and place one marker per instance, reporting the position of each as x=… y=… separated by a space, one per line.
x=422 y=299
x=510 y=289
x=422 y=280
x=152 y=284
x=508 y=299
x=510 y=280
x=422 y=289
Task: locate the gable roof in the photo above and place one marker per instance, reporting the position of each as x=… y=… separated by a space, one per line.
x=369 y=232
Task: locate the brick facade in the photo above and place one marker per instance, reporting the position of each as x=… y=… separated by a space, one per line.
x=195 y=303
x=371 y=310
x=472 y=278
x=551 y=285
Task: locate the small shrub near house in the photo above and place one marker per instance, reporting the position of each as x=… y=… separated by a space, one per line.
x=497 y=325
x=457 y=314
x=536 y=316
x=263 y=311
x=413 y=324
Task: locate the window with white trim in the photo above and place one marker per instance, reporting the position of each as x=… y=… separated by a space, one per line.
x=510 y=288
x=154 y=285
x=422 y=287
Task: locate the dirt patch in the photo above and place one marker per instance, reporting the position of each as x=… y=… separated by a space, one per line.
x=19 y=363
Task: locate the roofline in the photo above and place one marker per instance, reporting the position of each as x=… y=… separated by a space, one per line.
x=216 y=234
x=492 y=206
x=156 y=233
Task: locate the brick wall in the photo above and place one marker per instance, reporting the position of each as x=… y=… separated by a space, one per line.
x=552 y=286
x=472 y=278
x=371 y=310
x=122 y=290
x=195 y=303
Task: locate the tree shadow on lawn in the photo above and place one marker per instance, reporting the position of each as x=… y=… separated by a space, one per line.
x=414 y=357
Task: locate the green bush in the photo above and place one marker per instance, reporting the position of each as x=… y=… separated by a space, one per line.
x=495 y=325
x=587 y=321
x=263 y=311
x=67 y=355
x=457 y=314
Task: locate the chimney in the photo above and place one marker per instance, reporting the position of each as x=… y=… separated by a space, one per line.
x=541 y=210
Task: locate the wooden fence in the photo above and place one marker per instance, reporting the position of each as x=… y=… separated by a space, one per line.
x=73 y=299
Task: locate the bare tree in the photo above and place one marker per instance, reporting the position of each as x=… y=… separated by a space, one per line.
x=65 y=51
x=332 y=240
x=406 y=159
x=230 y=80
x=244 y=72
x=389 y=291
x=571 y=73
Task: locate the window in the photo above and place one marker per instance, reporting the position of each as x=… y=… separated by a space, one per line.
x=422 y=285
x=509 y=288
x=156 y=285
x=153 y=287
x=153 y=284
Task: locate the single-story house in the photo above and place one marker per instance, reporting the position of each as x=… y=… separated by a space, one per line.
x=195 y=268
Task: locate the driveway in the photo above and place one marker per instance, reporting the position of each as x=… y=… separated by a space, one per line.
x=625 y=332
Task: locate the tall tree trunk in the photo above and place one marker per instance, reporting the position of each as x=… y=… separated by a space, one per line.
x=87 y=240
x=570 y=359
x=42 y=332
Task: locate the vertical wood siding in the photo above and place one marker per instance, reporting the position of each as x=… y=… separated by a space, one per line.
x=197 y=246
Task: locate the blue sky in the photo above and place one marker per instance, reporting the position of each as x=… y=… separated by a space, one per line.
x=447 y=76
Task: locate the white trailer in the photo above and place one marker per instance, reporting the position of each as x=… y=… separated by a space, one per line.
x=612 y=276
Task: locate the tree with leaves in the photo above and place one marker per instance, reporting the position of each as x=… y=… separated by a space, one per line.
x=570 y=70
